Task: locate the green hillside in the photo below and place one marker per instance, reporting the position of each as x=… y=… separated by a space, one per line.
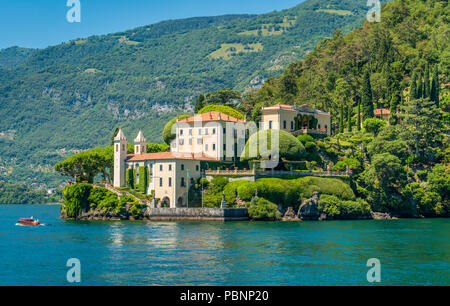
x=70 y=97
x=14 y=56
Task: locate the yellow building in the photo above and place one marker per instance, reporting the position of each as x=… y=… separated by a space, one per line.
x=211 y=134
x=296 y=120
x=169 y=173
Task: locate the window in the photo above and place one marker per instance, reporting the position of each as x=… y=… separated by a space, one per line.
x=214 y=132
x=224 y=131
x=319 y=126
x=206 y=147
x=117 y=148
x=160 y=167
x=160 y=182
x=190 y=132
x=181 y=141
x=182 y=182
x=181 y=132
x=292 y=125
x=199 y=131
x=197 y=168
x=270 y=124
x=224 y=147
x=199 y=141
x=326 y=127
x=284 y=124
x=190 y=141
x=182 y=167
x=214 y=146
x=170 y=167
x=206 y=131
x=170 y=182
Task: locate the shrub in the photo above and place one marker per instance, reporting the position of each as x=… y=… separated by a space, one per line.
x=305 y=138
x=289 y=147
x=334 y=207
x=223 y=109
x=97 y=195
x=352 y=164
x=76 y=199
x=374 y=125
x=143 y=179
x=129 y=177
x=262 y=209
x=168 y=136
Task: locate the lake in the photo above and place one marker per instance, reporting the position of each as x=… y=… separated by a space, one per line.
x=411 y=252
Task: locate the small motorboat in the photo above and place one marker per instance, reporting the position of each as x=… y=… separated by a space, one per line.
x=28 y=221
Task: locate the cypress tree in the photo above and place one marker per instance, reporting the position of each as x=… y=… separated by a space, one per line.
x=413 y=90
x=426 y=82
x=367 y=97
x=349 y=120
x=434 y=91
x=359 y=116
x=419 y=88
x=341 y=119
x=395 y=101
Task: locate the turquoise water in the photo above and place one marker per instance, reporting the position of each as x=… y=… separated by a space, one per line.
x=412 y=252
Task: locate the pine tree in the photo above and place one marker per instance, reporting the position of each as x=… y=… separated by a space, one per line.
x=359 y=116
x=341 y=119
x=426 y=82
x=413 y=90
x=367 y=97
x=434 y=91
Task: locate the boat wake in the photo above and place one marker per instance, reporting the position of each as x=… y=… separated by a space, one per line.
x=18 y=224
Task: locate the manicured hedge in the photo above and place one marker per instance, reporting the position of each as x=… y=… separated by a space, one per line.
x=143 y=179
x=129 y=178
x=223 y=109
x=288 y=192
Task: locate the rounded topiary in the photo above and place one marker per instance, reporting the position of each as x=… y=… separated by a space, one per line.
x=167 y=135
x=223 y=109
x=290 y=148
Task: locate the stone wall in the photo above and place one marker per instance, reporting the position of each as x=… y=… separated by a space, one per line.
x=196 y=214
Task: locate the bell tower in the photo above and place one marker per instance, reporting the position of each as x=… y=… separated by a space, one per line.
x=120 y=155
x=140 y=144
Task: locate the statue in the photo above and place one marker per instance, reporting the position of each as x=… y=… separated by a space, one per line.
x=224 y=203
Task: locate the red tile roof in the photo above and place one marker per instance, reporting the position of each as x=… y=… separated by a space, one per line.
x=168 y=156
x=211 y=116
x=377 y=112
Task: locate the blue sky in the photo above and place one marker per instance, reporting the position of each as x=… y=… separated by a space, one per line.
x=41 y=23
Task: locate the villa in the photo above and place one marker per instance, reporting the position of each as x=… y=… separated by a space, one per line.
x=296 y=120
x=209 y=137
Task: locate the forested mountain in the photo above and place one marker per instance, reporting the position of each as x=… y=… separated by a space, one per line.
x=376 y=63
x=14 y=56
x=70 y=97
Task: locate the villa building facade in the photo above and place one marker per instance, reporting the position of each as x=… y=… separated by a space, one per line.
x=296 y=120
x=213 y=134
x=169 y=173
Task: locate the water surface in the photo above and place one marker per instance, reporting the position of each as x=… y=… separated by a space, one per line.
x=412 y=252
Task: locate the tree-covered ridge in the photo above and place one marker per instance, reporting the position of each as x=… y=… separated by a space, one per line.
x=371 y=67
x=14 y=56
x=63 y=98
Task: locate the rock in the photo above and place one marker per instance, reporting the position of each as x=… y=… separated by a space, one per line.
x=309 y=210
x=290 y=215
x=380 y=216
